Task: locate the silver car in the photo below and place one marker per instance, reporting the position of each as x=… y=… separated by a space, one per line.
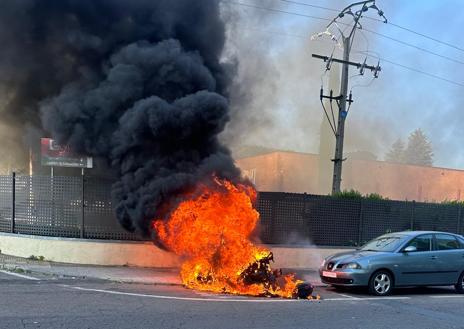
x=419 y=258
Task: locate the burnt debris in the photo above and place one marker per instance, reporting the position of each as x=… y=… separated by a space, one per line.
x=260 y=272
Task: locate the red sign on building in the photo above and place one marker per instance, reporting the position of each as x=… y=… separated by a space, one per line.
x=56 y=155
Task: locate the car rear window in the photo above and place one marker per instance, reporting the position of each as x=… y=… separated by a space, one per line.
x=446 y=242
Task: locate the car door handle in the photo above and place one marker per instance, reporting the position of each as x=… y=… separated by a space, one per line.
x=433 y=257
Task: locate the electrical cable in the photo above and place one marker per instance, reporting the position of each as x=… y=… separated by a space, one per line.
x=278 y=10
x=311 y=5
x=418 y=33
x=379 y=58
x=360 y=85
x=416 y=47
x=333 y=115
x=328 y=118
x=381 y=21
x=367 y=30
x=413 y=69
x=382 y=59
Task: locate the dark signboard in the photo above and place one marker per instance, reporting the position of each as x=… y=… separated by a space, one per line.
x=56 y=155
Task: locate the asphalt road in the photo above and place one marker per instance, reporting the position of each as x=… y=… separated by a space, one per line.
x=46 y=302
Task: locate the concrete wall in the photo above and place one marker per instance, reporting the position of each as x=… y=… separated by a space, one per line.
x=302 y=257
x=144 y=254
x=92 y=252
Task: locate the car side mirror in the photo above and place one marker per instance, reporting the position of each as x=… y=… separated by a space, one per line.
x=410 y=249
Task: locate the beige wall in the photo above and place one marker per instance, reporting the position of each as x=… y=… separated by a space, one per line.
x=283 y=171
x=405 y=182
x=299 y=172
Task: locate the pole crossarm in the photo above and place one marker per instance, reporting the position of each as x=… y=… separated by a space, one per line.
x=357 y=65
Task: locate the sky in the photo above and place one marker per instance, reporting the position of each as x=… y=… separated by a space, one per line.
x=283 y=80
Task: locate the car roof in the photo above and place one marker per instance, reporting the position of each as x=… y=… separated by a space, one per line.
x=415 y=233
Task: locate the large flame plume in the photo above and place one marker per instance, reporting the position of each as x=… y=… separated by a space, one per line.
x=211 y=229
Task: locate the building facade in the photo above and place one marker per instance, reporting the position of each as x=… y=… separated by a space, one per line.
x=300 y=173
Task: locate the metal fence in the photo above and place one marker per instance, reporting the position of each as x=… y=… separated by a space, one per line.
x=288 y=218
x=75 y=207
x=80 y=207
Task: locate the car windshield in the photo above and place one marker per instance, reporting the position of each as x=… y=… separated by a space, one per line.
x=383 y=243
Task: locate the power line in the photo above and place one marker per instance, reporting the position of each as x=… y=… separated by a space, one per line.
x=278 y=10
x=419 y=34
x=367 y=30
x=414 y=69
x=416 y=47
x=382 y=21
x=279 y=33
x=367 y=54
x=310 y=5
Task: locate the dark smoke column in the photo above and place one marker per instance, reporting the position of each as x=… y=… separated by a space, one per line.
x=139 y=83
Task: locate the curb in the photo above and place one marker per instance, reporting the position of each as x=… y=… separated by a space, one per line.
x=26 y=270
x=43 y=267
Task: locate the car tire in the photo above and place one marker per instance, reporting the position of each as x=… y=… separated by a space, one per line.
x=460 y=284
x=381 y=283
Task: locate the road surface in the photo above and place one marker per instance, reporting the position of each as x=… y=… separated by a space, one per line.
x=32 y=301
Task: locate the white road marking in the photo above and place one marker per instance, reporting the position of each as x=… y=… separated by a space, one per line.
x=227 y=299
x=382 y=298
x=356 y=299
x=340 y=299
x=19 y=275
x=448 y=296
x=348 y=296
x=222 y=299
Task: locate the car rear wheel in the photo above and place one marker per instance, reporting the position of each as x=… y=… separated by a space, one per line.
x=460 y=285
x=381 y=283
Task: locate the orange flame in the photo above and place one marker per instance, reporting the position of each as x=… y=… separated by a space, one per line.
x=211 y=229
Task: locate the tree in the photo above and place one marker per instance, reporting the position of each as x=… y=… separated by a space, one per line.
x=419 y=150
x=396 y=153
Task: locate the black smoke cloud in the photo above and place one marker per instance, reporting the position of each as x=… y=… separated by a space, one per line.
x=138 y=83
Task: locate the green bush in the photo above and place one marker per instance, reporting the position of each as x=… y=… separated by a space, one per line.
x=353 y=194
x=375 y=196
x=452 y=203
x=348 y=194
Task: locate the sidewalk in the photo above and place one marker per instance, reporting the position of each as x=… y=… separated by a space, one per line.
x=158 y=276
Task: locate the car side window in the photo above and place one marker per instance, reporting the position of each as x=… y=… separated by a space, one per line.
x=422 y=243
x=446 y=242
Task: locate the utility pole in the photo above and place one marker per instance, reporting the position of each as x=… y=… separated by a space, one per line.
x=340 y=133
x=339 y=126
